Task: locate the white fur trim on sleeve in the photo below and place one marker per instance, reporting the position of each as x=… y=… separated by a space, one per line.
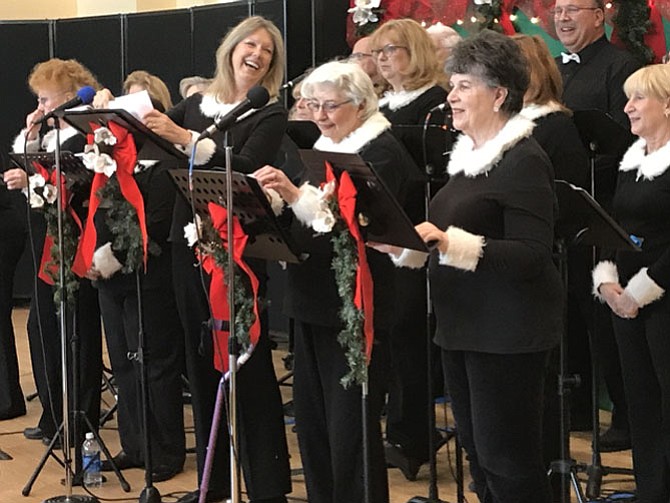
x=105 y=261
x=276 y=202
x=603 y=272
x=204 y=151
x=31 y=146
x=465 y=249
x=644 y=289
x=308 y=204
x=413 y=259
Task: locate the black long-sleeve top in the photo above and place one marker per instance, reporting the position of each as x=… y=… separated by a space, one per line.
x=512 y=301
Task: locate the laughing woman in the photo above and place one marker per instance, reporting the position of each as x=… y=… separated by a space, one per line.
x=641 y=311
x=496 y=292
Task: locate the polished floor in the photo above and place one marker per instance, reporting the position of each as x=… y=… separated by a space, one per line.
x=25 y=454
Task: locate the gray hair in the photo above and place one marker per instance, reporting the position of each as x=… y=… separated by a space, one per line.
x=497 y=60
x=347 y=78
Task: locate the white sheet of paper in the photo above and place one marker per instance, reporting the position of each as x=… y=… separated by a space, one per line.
x=137 y=104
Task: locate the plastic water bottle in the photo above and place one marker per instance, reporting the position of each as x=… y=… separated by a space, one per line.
x=90 y=458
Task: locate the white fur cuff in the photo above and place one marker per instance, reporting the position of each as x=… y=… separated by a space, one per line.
x=604 y=272
x=204 y=151
x=308 y=204
x=105 y=261
x=465 y=249
x=644 y=289
x=413 y=259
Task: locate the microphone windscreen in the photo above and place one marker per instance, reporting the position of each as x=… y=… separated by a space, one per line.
x=86 y=94
x=258 y=96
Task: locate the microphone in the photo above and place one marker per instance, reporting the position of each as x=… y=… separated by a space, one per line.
x=292 y=83
x=84 y=97
x=440 y=107
x=257 y=97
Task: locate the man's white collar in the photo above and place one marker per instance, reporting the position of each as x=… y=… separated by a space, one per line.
x=648 y=166
x=533 y=111
x=395 y=100
x=473 y=162
x=358 y=138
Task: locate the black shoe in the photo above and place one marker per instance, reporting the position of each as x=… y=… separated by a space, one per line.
x=163 y=473
x=614 y=440
x=395 y=457
x=35 y=433
x=122 y=462
x=193 y=497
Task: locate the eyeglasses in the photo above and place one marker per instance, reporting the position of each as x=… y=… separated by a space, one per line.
x=327 y=106
x=355 y=56
x=388 y=49
x=570 y=10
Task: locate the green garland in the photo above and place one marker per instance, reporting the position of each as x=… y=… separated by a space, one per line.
x=351 y=337
x=632 y=23
x=70 y=241
x=121 y=219
x=242 y=298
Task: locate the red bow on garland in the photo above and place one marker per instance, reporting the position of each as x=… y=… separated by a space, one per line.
x=125 y=155
x=363 y=297
x=49 y=270
x=218 y=291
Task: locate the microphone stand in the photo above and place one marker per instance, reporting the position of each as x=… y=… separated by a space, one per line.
x=67 y=461
x=233 y=351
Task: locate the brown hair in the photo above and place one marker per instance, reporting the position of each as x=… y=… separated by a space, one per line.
x=156 y=88
x=423 y=66
x=223 y=85
x=546 y=85
x=69 y=75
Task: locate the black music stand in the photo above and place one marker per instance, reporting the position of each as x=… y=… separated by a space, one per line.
x=268 y=240
x=607 y=141
x=582 y=222
x=381 y=220
x=78 y=179
x=152 y=147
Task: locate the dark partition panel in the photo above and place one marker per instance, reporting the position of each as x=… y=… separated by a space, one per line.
x=210 y=25
x=96 y=43
x=160 y=43
x=299 y=37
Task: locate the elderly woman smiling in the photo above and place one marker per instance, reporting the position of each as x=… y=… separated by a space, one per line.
x=496 y=292
x=344 y=105
x=641 y=311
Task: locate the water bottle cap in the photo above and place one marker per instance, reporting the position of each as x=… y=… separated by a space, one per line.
x=89 y=436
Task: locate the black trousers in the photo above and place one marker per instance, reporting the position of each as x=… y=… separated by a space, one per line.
x=163 y=357
x=264 y=453
x=497 y=405
x=408 y=402
x=12 y=241
x=83 y=330
x=644 y=347
x=329 y=418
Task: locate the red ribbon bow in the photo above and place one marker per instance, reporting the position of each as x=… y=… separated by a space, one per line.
x=218 y=291
x=47 y=270
x=364 y=292
x=125 y=155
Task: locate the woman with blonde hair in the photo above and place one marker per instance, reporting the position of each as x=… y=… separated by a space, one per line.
x=140 y=80
x=251 y=54
x=406 y=58
x=633 y=284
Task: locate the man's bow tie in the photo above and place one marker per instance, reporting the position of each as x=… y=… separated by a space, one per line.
x=570 y=57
